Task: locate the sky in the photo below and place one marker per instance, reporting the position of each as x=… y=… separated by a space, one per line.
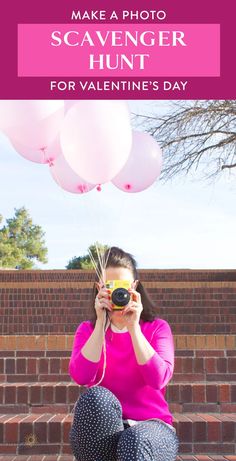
x=182 y=224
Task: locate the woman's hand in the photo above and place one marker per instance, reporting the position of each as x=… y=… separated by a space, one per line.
x=102 y=301
x=133 y=310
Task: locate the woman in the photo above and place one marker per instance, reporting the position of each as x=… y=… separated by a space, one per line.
x=125 y=418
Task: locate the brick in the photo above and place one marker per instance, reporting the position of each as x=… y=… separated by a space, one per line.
x=51 y=342
x=224 y=393
x=65 y=365
x=22 y=394
x=190 y=342
x=233 y=393
x=10 y=366
x=35 y=394
x=11 y=430
x=199 y=431
x=43 y=365
x=6 y=448
x=29 y=342
x=21 y=365
x=54 y=365
x=60 y=394
x=211 y=393
x=40 y=342
x=185 y=431
x=228 y=407
x=39 y=448
x=10 y=394
x=48 y=394
x=228 y=431
x=187 y=365
x=210 y=364
x=200 y=342
x=53 y=408
x=198 y=365
x=21 y=342
x=54 y=429
x=178 y=365
x=10 y=343
x=214 y=431
x=73 y=392
x=172 y=393
x=230 y=342
x=61 y=342
x=220 y=342
x=213 y=447
x=31 y=366
x=232 y=365
x=181 y=342
x=21 y=378
x=30 y=353
x=54 y=378
x=186 y=393
x=7 y=354
x=2 y=342
x=40 y=430
x=199 y=394
x=221 y=365
x=211 y=342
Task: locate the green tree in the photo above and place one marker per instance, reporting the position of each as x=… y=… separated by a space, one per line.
x=21 y=242
x=85 y=262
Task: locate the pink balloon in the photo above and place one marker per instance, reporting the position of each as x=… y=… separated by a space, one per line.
x=69 y=103
x=143 y=166
x=96 y=138
x=67 y=179
x=47 y=155
x=34 y=124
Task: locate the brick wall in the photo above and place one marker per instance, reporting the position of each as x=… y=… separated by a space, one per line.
x=55 y=302
x=40 y=311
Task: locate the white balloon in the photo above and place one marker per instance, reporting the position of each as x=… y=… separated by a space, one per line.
x=96 y=138
x=69 y=103
x=67 y=179
x=45 y=156
x=33 y=123
x=143 y=166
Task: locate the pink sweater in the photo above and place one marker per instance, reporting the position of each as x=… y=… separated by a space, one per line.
x=139 y=388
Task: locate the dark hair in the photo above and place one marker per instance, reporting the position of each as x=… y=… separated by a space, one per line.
x=118 y=258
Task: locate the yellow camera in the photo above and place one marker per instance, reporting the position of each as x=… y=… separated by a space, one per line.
x=119 y=292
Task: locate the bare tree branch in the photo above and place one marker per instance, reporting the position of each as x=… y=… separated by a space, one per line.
x=194 y=135
x=228 y=166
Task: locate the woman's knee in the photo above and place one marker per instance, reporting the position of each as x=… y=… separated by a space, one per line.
x=130 y=443
x=154 y=442
x=100 y=398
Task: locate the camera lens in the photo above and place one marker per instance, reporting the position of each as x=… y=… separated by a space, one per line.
x=120 y=297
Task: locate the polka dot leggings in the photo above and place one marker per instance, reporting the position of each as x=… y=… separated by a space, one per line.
x=99 y=434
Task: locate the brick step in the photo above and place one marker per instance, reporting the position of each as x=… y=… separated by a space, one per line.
x=52 y=365
x=59 y=458
x=50 y=397
x=61 y=325
x=71 y=276
x=14 y=300
x=199 y=433
x=57 y=328
x=212 y=308
x=185 y=343
x=199 y=457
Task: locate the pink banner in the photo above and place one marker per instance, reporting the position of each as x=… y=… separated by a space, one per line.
x=120 y=50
